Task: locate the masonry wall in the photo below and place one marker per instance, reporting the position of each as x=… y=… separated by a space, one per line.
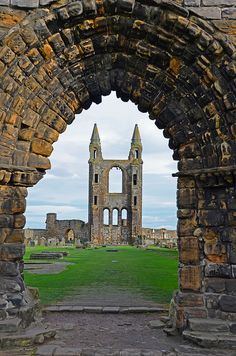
x=210 y=9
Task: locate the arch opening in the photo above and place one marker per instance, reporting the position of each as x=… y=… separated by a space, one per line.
x=106 y=217
x=115 y=180
x=124 y=216
x=115 y=217
x=70 y=237
x=176 y=69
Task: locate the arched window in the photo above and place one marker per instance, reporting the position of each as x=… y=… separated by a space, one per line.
x=115 y=217
x=124 y=215
x=136 y=154
x=70 y=236
x=94 y=154
x=106 y=217
x=115 y=180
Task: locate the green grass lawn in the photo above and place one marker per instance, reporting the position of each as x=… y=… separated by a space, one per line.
x=152 y=273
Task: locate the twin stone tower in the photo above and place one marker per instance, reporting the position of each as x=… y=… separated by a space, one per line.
x=115 y=217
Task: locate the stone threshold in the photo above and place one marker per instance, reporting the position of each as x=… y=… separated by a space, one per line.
x=104 y=310
x=54 y=350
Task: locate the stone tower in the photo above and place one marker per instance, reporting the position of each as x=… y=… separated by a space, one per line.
x=115 y=217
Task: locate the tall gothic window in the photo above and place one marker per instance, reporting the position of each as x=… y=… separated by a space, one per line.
x=115 y=180
x=106 y=216
x=115 y=217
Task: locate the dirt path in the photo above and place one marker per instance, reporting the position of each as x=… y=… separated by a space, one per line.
x=104 y=334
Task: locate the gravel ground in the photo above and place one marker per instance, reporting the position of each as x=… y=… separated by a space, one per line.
x=109 y=330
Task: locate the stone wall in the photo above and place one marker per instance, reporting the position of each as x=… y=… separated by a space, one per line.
x=59 y=229
x=210 y=9
x=161 y=237
x=35 y=236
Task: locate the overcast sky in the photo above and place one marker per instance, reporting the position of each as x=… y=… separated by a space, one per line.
x=64 y=189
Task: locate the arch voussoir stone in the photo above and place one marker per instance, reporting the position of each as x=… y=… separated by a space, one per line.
x=178 y=66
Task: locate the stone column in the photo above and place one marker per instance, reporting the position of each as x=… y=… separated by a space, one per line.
x=15 y=300
x=188 y=301
x=207 y=248
x=217 y=221
x=12 y=221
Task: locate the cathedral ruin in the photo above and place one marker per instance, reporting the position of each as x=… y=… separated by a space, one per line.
x=114 y=217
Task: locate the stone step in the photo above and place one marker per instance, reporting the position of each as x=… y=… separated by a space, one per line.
x=46 y=256
x=50 y=350
x=107 y=310
x=209 y=325
x=221 y=340
x=10 y=325
x=37 y=334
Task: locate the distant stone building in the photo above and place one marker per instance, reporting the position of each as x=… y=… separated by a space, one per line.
x=35 y=236
x=160 y=237
x=115 y=216
x=58 y=232
x=68 y=231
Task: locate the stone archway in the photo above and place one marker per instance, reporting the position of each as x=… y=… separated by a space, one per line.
x=70 y=236
x=56 y=60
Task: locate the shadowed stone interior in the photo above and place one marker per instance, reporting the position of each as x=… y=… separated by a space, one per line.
x=173 y=63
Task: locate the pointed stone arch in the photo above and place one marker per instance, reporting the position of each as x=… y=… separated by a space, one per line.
x=171 y=63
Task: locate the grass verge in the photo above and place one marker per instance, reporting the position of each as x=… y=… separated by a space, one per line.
x=151 y=272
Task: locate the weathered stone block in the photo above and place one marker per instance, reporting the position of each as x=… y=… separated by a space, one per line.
x=16 y=43
x=5 y=2
x=229 y=13
x=45 y=2
x=192 y=2
x=9 y=285
x=215 y=252
x=189 y=250
x=218 y=2
x=9 y=268
x=125 y=5
x=227 y=303
x=186 y=198
x=52 y=119
x=215 y=285
x=19 y=221
x=232 y=328
x=25 y=3
x=196 y=312
x=209 y=325
x=6 y=55
x=185 y=213
x=38 y=161
x=186 y=227
x=11 y=252
x=6 y=221
x=189 y=299
x=212 y=301
x=89 y=6
x=218 y=270
x=231 y=286
x=16 y=236
x=212 y=13
x=211 y=217
x=41 y=147
x=190 y=278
